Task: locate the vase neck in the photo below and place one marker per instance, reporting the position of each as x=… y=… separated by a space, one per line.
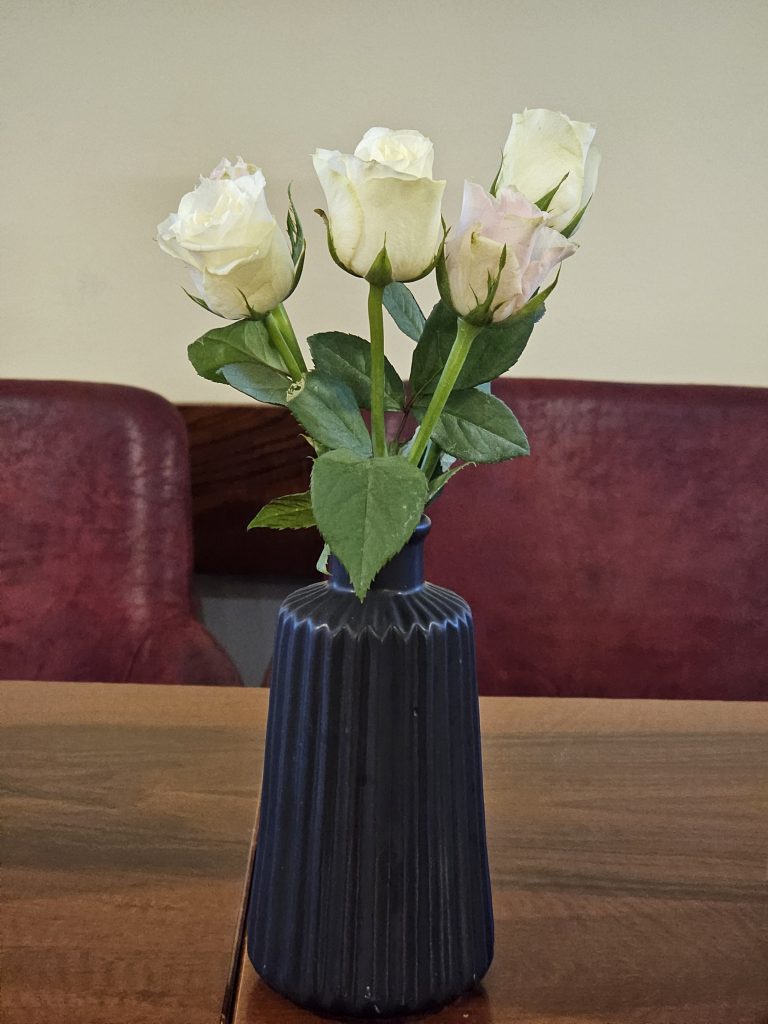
x=403 y=573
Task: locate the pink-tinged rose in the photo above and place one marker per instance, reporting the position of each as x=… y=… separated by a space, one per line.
x=473 y=252
x=239 y=259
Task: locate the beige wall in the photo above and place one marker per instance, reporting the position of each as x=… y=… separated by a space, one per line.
x=112 y=109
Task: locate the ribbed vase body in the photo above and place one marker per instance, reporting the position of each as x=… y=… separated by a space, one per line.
x=370 y=893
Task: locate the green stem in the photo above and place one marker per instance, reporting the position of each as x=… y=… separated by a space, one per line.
x=465 y=335
x=376 y=321
x=282 y=346
x=431 y=459
x=287 y=331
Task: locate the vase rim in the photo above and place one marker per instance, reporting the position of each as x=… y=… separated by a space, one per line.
x=422 y=528
x=403 y=573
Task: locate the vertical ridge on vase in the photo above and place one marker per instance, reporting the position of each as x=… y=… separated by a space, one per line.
x=290 y=852
x=370 y=893
x=303 y=785
x=326 y=805
x=416 y=863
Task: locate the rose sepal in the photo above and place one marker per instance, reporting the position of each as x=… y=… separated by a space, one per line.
x=367 y=277
x=380 y=271
x=545 y=201
x=495 y=183
x=571 y=226
x=203 y=304
x=482 y=314
x=534 y=306
x=441 y=278
x=331 y=247
x=297 y=240
x=252 y=314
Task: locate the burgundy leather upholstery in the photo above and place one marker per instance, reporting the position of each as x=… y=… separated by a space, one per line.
x=628 y=556
x=95 y=539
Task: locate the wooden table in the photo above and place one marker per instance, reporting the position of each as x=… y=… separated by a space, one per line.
x=128 y=821
x=628 y=844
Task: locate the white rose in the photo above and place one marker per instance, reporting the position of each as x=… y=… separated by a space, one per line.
x=224 y=231
x=474 y=249
x=384 y=192
x=542 y=146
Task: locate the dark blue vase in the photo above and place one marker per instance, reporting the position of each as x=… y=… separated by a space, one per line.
x=370 y=893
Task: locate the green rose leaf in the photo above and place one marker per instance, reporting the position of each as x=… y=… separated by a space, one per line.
x=259 y=381
x=328 y=411
x=347 y=357
x=241 y=342
x=290 y=512
x=366 y=509
x=438 y=483
x=404 y=309
x=477 y=427
x=495 y=349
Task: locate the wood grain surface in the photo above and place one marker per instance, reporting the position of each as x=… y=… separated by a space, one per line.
x=127 y=822
x=628 y=846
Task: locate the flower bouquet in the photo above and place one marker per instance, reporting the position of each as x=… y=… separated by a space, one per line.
x=384 y=226
x=370 y=894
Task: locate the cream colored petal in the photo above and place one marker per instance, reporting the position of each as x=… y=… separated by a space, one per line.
x=219 y=294
x=253 y=186
x=550 y=249
x=505 y=310
x=458 y=265
x=344 y=210
x=516 y=231
x=168 y=240
x=403 y=150
x=542 y=146
x=585 y=133
x=509 y=219
x=511 y=201
x=590 y=174
x=219 y=215
x=477 y=207
x=510 y=283
x=225 y=169
x=254 y=242
x=471 y=259
x=407 y=214
x=264 y=280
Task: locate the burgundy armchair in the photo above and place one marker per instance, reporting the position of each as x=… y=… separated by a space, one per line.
x=628 y=556
x=95 y=539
